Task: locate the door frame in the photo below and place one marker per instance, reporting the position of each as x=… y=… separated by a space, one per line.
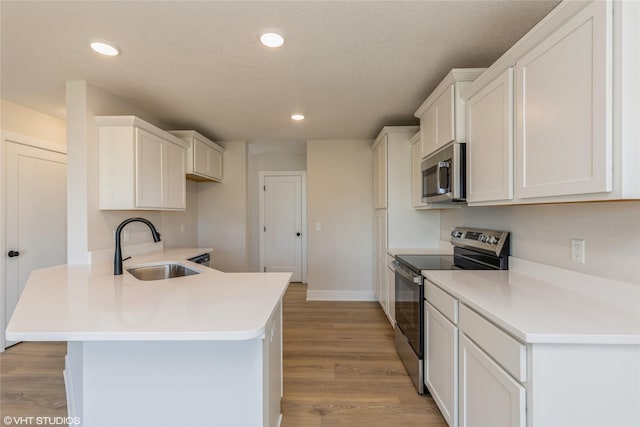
x=15 y=138
x=303 y=174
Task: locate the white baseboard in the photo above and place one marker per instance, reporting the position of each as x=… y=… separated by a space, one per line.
x=340 y=295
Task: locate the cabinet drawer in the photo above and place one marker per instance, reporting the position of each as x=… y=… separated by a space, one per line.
x=508 y=352
x=441 y=300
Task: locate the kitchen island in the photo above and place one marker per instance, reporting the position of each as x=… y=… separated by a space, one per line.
x=198 y=350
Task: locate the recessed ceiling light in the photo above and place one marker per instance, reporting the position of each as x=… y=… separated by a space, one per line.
x=272 y=38
x=104 y=49
x=297 y=117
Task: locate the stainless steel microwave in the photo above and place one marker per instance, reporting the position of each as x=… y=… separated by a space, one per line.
x=443 y=175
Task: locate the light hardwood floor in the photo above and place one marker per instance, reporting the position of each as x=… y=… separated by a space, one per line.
x=340 y=369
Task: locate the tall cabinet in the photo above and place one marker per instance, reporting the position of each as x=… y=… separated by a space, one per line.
x=396 y=223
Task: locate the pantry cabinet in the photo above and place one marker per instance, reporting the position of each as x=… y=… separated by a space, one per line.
x=142 y=167
x=380 y=172
x=204 y=157
x=442 y=115
x=396 y=223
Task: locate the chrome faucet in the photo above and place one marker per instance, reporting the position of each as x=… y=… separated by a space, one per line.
x=117 y=259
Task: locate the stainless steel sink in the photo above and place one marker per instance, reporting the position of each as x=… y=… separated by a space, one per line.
x=161 y=271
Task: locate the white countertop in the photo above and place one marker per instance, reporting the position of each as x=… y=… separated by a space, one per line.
x=89 y=303
x=539 y=311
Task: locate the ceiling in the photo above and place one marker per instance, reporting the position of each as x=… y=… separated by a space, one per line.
x=350 y=66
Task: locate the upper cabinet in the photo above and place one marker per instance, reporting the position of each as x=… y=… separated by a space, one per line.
x=442 y=115
x=490 y=141
x=416 y=172
x=563 y=102
x=554 y=120
x=204 y=157
x=142 y=167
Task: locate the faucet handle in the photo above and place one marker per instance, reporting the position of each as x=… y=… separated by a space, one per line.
x=129 y=257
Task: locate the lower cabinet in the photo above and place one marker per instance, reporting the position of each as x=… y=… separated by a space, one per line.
x=489 y=396
x=441 y=362
x=391 y=293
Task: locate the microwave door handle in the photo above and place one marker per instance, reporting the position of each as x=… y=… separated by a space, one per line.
x=441 y=165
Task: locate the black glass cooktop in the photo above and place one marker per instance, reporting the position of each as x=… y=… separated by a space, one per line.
x=427 y=262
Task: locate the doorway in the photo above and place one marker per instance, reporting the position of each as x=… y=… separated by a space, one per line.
x=35 y=214
x=283 y=223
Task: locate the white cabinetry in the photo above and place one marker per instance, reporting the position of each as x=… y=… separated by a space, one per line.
x=380 y=273
x=396 y=223
x=490 y=142
x=441 y=350
x=563 y=124
x=575 y=109
x=442 y=115
x=489 y=361
x=416 y=172
x=142 y=167
x=488 y=395
x=204 y=157
x=380 y=172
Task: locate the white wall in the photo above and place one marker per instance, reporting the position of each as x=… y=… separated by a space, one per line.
x=22 y=120
x=543 y=234
x=222 y=212
x=340 y=198
x=285 y=157
x=90 y=229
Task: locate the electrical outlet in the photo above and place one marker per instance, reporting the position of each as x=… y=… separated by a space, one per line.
x=125 y=235
x=181 y=228
x=318 y=226
x=577 y=250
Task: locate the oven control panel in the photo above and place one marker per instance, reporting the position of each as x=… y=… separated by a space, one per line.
x=489 y=240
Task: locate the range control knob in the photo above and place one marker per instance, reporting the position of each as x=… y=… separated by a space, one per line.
x=493 y=240
x=455 y=233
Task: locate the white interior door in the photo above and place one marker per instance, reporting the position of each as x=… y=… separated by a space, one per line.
x=282 y=224
x=36 y=216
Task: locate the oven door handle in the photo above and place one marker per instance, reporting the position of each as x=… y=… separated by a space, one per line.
x=410 y=276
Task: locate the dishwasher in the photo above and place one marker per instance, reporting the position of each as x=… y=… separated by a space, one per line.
x=204 y=259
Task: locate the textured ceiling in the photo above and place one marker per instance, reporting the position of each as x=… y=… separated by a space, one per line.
x=350 y=66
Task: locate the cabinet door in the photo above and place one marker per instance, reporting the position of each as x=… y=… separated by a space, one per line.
x=174 y=176
x=488 y=395
x=391 y=296
x=428 y=131
x=445 y=117
x=215 y=162
x=490 y=141
x=441 y=362
x=380 y=174
x=149 y=170
x=380 y=233
x=416 y=175
x=201 y=158
x=563 y=139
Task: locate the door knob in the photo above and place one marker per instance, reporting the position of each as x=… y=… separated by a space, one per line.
x=13 y=254
x=298 y=234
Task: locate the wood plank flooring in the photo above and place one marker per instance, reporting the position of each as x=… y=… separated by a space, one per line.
x=340 y=369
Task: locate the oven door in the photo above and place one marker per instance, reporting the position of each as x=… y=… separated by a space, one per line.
x=409 y=314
